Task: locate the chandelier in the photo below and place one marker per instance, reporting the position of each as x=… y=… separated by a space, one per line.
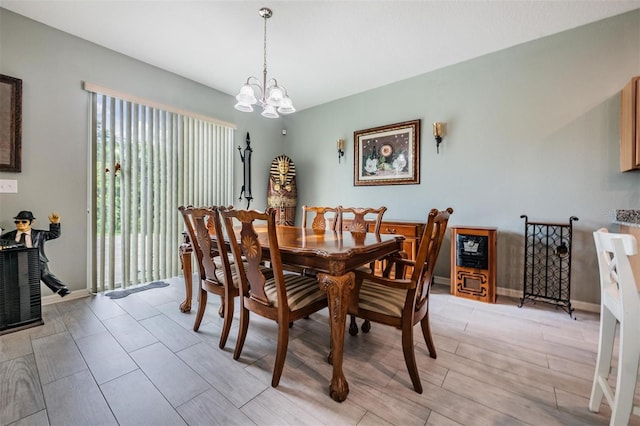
x=273 y=97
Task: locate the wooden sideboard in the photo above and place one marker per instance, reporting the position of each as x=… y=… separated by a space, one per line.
x=411 y=231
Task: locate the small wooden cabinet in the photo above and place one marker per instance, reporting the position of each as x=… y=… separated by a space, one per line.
x=411 y=231
x=473 y=263
x=630 y=126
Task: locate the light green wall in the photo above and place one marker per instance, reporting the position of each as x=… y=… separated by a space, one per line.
x=54 y=177
x=531 y=130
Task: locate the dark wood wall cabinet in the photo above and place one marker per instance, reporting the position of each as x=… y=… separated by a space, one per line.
x=630 y=126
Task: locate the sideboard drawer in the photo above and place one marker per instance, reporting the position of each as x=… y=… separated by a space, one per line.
x=406 y=229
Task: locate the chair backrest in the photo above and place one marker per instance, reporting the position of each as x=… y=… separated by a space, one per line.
x=187 y=216
x=359 y=216
x=214 y=227
x=201 y=226
x=618 y=291
x=252 y=280
x=427 y=254
x=319 y=221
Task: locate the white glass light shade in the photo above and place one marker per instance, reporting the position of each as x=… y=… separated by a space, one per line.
x=246 y=95
x=286 y=106
x=270 y=112
x=275 y=96
x=243 y=107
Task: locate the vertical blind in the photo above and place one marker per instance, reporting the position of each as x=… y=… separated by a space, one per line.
x=148 y=161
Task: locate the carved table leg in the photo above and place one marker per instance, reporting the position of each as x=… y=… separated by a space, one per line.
x=185 y=256
x=338 y=290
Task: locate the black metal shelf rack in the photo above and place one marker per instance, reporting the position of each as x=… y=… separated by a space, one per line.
x=547 y=263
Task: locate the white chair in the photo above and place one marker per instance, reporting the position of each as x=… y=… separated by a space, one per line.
x=619 y=303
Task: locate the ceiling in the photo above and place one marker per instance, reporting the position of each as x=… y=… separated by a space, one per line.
x=319 y=50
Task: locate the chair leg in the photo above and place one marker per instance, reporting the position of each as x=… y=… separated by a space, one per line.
x=221 y=310
x=353 y=326
x=330 y=354
x=627 y=375
x=603 y=362
x=366 y=326
x=202 y=305
x=226 y=324
x=410 y=357
x=281 y=353
x=242 y=331
x=426 y=332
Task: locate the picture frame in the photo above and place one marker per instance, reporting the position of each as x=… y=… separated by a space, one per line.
x=387 y=155
x=10 y=124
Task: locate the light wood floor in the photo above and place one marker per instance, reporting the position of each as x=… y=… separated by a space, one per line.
x=136 y=361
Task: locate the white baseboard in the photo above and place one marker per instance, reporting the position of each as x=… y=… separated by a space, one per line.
x=517 y=294
x=54 y=298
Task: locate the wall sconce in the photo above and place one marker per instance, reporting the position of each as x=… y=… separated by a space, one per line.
x=340 y=146
x=438 y=133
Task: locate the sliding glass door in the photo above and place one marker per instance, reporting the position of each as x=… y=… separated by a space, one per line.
x=147 y=162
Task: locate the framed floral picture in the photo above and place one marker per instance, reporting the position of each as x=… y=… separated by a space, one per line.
x=387 y=155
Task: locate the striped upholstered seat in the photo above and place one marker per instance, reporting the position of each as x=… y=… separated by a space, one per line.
x=382 y=299
x=281 y=297
x=403 y=303
x=235 y=279
x=301 y=291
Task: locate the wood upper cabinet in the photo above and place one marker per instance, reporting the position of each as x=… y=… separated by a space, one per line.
x=630 y=126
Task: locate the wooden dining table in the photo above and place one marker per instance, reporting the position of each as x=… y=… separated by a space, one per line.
x=334 y=254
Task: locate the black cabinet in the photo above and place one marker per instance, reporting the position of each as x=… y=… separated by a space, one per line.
x=20 y=300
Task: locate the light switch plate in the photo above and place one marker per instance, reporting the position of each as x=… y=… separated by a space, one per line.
x=8 y=186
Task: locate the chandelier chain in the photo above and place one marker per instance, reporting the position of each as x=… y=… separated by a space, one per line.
x=264 y=65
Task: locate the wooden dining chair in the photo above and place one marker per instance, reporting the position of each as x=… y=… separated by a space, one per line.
x=319 y=221
x=202 y=224
x=400 y=302
x=358 y=220
x=619 y=304
x=215 y=272
x=282 y=298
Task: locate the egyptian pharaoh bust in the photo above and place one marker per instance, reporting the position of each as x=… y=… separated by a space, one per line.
x=282 y=193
